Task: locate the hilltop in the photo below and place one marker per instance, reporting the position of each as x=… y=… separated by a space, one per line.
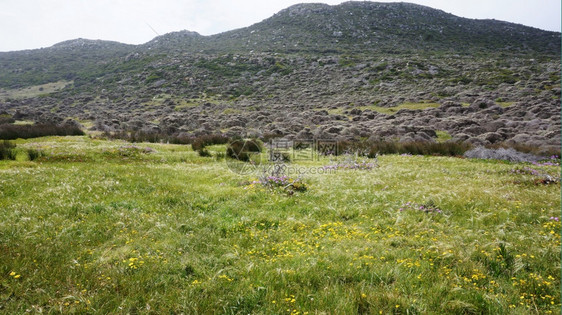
x=370 y=27
x=355 y=70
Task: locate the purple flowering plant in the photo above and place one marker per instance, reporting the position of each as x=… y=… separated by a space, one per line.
x=426 y=208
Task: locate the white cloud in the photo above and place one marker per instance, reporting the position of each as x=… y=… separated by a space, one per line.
x=29 y=24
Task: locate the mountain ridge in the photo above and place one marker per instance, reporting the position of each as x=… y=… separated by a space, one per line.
x=317 y=29
x=298 y=10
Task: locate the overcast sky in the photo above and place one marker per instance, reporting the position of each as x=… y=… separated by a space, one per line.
x=27 y=24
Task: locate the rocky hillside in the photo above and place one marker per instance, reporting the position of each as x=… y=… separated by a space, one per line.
x=356 y=70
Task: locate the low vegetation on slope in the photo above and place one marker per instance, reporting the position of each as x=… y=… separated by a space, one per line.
x=109 y=227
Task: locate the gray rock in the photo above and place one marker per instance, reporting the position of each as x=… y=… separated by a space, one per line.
x=475 y=141
x=501 y=154
x=473 y=130
x=491 y=137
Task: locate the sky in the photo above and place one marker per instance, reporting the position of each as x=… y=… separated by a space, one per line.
x=30 y=24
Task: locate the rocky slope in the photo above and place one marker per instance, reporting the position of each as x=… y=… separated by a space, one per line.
x=311 y=70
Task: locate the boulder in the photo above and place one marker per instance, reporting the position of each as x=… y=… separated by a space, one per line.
x=491 y=137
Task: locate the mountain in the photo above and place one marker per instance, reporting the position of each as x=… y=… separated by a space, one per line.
x=355 y=70
x=62 y=61
x=383 y=27
x=369 y=27
x=352 y=27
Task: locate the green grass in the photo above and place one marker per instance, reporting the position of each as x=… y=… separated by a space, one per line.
x=96 y=228
x=505 y=104
x=33 y=91
x=443 y=135
x=24 y=122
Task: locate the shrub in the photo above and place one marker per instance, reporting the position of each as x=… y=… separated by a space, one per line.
x=372 y=149
x=154 y=137
x=145 y=136
x=384 y=147
x=34 y=154
x=11 y=132
x=7 y=150
x=180 y=139
x=204 y=152
x=419 y=148
x=137 y=136
x=203 y=141
x=6 y=119
x=242 y=150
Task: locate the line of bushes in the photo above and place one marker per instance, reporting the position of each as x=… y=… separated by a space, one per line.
x=155 y=137
x=203 y=141
x=139 y=136
x=197 y=143
x=11 y=132
x=371 y=149
x=365 y=148
x=419 y=148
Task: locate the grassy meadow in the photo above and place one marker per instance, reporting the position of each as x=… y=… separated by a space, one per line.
x=32 y=91
x=101 y=227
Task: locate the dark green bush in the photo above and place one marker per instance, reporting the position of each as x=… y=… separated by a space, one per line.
x=204 y=152
x=6 y=119
x=34 y=154
x=149 y=136
x=243 y=149
x=11 y=132
x=7 y=150
x=203 y=141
